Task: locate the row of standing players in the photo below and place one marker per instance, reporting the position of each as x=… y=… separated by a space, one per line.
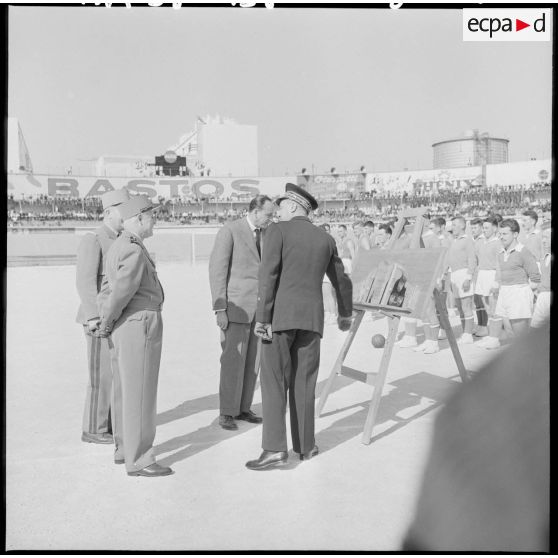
x=267 y=296
x=499 y=271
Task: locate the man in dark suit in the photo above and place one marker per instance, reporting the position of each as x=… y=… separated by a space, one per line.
x=290 y=320
x=90 y=271
x=233 y=278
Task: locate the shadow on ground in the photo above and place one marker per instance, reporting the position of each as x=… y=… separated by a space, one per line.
x=408 y=393
x=204 y=438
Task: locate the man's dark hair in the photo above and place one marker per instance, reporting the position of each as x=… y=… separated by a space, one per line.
x=343 y=227
x=492 y=220
x=498 y=217
x=476 y=221
x=369 y=224
x=531 y=213
x=512 y=224
x=258 y=202
x=384 y=227
x=439 y=221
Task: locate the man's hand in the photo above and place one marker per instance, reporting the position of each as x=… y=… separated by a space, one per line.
x=263 y=330
x=103 y=330
x=494 y=288
x=534 y=286
x=344 y=323
x=93 y=325
x=222 y=319
x=466 y=285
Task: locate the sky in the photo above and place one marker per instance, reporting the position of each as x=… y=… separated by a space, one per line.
x=326 y=87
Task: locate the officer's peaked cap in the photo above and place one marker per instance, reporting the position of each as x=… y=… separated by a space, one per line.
x=114 y=197
x=134 y=206
x=298 y=195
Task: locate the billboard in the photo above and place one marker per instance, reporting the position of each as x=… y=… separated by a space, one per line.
x=331 y=186
x=523 y=172
x=165 y=186
x=424 y=181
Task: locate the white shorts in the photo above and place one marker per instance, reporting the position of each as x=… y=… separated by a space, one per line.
x=515 y=302
x=541 y=313
x=457 y=279
x=484 y=281
x=348 y=264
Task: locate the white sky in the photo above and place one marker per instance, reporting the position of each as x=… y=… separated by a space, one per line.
x=326 y=87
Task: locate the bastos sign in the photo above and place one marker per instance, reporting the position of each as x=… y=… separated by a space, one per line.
x=165 y=186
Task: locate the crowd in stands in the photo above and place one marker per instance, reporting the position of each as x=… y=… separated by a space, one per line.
x=471 y=203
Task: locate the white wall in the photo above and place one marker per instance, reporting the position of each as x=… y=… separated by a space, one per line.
x=229 y=149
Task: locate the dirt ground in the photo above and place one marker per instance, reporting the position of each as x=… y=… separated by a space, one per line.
x=63 y=494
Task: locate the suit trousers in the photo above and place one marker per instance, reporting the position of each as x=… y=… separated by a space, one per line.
x=96 y=415
x=137 y=341
x=239 y=369
x=290 y=362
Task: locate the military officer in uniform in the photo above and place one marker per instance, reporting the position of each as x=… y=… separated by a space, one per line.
x=130 y=307
x=290 y=320
x=90 y=270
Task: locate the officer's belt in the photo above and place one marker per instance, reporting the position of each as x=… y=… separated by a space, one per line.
x=142 y=308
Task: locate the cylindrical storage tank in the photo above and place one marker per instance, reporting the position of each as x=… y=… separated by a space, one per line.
x=470 y=150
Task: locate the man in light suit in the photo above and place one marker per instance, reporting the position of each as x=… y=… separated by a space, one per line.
x=130 y=306
x=233 y=278
x=90 y=270
x=290 y=320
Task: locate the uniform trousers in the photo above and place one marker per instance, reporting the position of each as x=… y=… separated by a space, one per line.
x=137 y=340
x=290 y=362
x=239 y=368
x=96 y=415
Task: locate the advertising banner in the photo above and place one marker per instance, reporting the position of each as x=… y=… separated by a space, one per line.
x=165 y=186
x=332 y=186
x=424 y=181
x=523 y=172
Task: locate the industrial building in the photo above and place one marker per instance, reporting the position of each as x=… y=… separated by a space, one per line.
x=470 y=150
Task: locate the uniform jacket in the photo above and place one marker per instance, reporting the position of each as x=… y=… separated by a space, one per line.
x=90 y=270
x=131 y=282
x=233 y=271
x=297 y=255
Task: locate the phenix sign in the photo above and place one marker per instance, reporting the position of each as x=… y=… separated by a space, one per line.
x=506 y=24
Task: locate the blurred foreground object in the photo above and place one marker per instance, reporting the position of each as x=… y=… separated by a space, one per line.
x=486 y=484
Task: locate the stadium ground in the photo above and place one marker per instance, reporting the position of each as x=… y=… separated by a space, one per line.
x=62 y=494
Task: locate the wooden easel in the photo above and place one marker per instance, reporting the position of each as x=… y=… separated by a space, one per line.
x=394 y=315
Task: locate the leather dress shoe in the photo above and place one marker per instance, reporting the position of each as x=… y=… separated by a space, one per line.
x=249 y=416
x=227 y=422
x=103 y=438
x=267 y=460
x=153 y=470
x=310 y=454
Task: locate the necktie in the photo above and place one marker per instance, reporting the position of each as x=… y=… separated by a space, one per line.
x=258 y=241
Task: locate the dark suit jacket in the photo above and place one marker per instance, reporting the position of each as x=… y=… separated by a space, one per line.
x=90 y=270
x=296 y=257
x=233 y=271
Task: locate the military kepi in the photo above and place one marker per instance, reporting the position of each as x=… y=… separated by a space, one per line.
x=114 y=197
x=298 y=195
x=134 y=206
